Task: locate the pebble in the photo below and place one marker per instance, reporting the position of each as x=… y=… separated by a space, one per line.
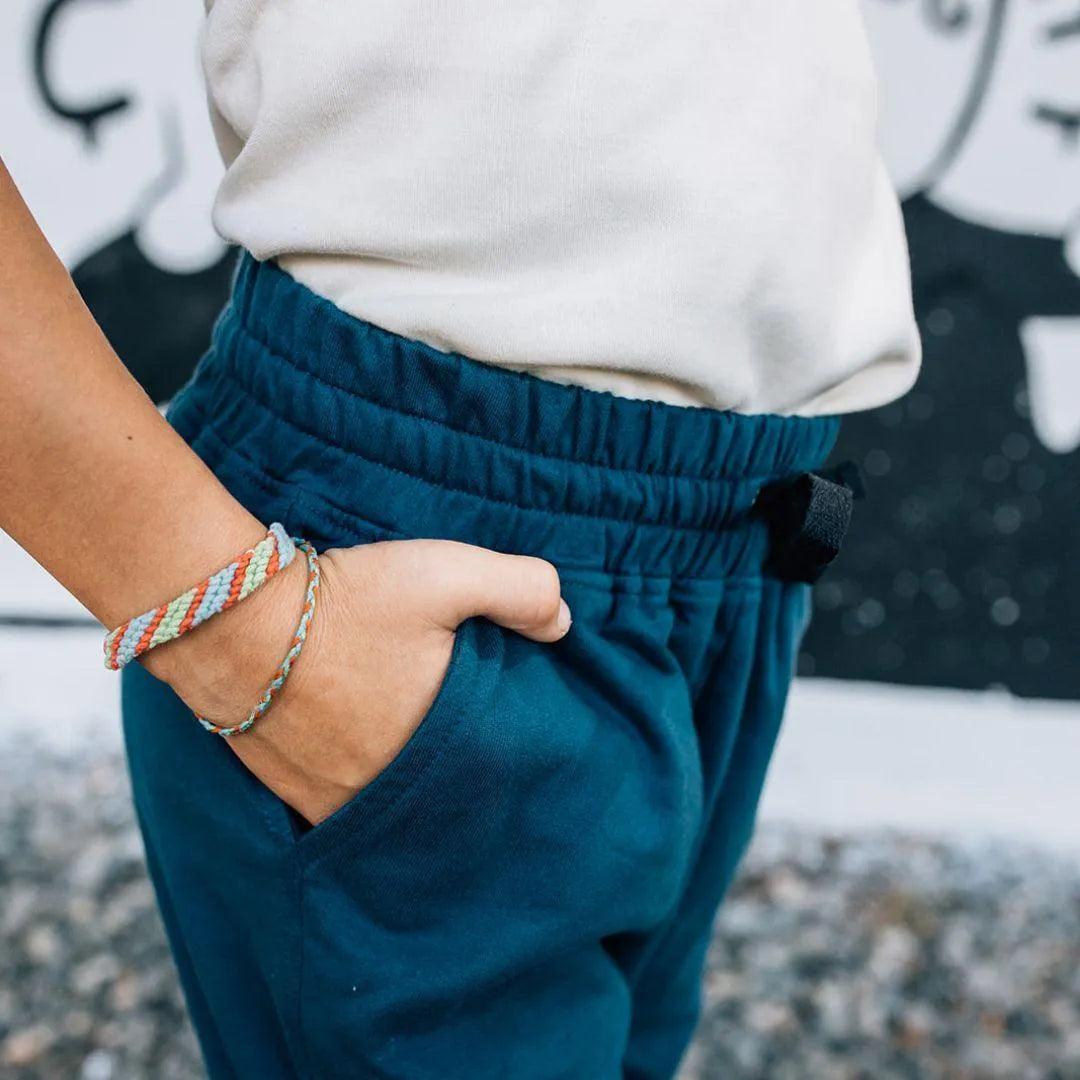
x=904 y=958
x=87 y=988
x=839 y=957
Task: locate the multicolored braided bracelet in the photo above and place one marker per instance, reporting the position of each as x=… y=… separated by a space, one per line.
x=282 y=673
x=216 y=594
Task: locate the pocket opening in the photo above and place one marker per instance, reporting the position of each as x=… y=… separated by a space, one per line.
x=373 y=803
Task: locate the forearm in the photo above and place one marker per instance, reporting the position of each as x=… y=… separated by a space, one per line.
x=93 y=482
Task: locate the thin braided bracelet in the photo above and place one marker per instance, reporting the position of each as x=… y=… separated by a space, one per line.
x=282 y=673
x=210 y=597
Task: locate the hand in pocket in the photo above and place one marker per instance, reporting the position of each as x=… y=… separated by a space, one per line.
x=377 y=652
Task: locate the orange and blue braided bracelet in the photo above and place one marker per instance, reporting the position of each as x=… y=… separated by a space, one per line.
x=218 y=593
x=210 y=597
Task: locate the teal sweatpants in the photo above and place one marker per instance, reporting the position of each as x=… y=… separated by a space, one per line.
x=527 y=890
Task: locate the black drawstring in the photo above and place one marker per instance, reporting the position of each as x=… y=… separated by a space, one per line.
x=808 y=518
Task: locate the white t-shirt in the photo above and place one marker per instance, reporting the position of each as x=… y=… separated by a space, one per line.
x=673 y=200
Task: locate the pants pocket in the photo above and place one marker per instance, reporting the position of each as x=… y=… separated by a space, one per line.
x=455 y=923
x=398 y=786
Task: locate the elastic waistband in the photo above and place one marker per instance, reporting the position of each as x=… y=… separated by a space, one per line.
x=651 y=487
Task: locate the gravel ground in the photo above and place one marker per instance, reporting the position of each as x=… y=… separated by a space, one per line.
x=871 y=957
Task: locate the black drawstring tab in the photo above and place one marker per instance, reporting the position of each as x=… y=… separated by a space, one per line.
x=808 y=518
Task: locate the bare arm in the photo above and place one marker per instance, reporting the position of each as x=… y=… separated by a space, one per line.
x=97 y=486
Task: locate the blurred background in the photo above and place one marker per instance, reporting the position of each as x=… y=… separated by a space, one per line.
x=911 y=905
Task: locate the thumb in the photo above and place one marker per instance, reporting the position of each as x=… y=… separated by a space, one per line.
x=516 y=591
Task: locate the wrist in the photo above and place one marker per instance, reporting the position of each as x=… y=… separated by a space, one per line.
x=220 y=668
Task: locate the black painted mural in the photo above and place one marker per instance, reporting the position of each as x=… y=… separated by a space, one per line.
x=961 y=566
x=158 y=321
x=156 y=317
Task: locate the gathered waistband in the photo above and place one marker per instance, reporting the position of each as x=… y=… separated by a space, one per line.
x=415 y=441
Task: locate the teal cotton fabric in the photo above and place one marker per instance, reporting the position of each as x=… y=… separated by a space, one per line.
x=526 y=892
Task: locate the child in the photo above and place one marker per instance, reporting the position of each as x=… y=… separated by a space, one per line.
x=536 y=303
